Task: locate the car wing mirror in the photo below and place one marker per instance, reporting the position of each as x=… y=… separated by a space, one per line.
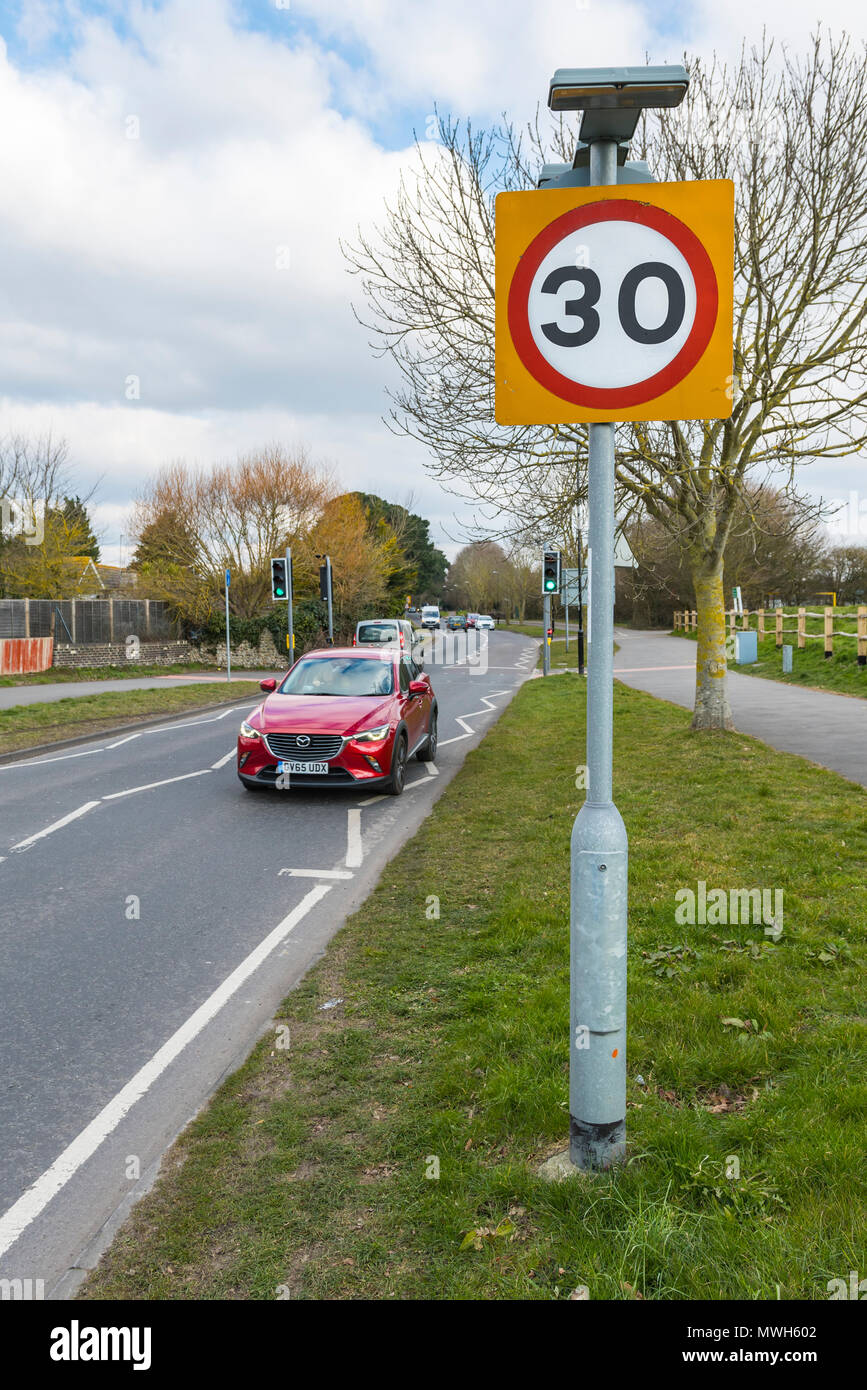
x=418 y=687
x=268 y=685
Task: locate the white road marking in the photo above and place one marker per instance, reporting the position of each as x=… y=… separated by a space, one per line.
x=61 y=758
x=431 y=769
x=371 y=799
x=354 y=852
x=36 y=1198
x=148 y=786
x=462 y=718
x=316 y=873
x=215 y=767
x=58 y=825
x=89 y=752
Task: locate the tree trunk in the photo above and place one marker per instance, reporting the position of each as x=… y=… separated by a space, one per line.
x=711 y=700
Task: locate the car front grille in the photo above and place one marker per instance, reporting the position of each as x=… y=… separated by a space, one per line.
x=321 y=746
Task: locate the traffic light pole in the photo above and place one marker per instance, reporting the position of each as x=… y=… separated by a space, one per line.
x=546 y=623
x=597 y=1073
x=291 y=633
x=330 y=608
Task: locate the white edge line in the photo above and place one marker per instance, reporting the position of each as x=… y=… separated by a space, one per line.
x=431 y=769
x=221 y=762
x=316 y=873
x=149 y=786
x=34 y=1200
x=58 y=825
x=89 y=752
x=61 y=758
x=129 y=738
x=354 y=851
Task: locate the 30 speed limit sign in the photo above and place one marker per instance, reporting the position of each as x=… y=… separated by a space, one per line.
x=615 y=303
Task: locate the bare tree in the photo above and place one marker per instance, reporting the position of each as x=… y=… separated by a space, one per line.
x=782 y=128
x=238 y=515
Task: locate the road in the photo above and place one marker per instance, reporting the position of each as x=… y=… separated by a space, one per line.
x=827 y=728
x=152 y=916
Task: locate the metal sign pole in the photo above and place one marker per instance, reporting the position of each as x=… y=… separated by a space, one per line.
x=228 y=648
x=546 y=623
x=291 y=633
x=597 y=1074
x=330 y=610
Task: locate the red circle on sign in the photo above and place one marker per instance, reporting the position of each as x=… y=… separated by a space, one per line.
x=706 y=296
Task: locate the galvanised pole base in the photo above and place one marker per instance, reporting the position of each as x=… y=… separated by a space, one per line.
x=597 y=1073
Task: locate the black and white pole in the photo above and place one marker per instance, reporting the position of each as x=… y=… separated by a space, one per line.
x=228 y=647
x=546 y=624
x=597 y=1074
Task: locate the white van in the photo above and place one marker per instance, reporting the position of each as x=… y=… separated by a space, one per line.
x=430 y=615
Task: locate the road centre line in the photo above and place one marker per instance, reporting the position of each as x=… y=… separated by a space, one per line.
x=34 y=1200
x=148 y=786
x=57 y=825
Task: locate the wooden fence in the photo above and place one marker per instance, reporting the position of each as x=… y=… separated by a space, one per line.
x=772 y=621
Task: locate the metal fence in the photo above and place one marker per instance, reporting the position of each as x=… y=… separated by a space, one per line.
x=86 y=621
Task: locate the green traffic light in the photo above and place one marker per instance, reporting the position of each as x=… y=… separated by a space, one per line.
x=279 y=592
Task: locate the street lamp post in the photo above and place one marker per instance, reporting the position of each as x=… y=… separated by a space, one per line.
x=612 y=100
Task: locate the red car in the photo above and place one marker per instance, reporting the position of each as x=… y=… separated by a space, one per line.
x=340 y=717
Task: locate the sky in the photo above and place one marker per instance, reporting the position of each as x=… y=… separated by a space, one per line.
x=176 y=179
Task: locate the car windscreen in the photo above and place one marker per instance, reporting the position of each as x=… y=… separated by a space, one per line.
x=339 y=675
x=377 y=634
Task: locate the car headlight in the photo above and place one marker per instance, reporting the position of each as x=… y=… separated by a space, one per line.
x=247 y=731
x=372 y=735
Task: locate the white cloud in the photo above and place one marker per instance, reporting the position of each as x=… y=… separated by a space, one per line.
x=160 y=256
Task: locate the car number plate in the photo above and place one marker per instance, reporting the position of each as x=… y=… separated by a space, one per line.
x=297 y=766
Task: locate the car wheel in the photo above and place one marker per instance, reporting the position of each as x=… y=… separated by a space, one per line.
x=429 y=752
x=398 y=767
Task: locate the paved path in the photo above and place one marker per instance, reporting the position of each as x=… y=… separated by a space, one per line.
x=828 y=729
x=68 y=690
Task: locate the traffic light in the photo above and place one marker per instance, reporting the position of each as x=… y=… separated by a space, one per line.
x=550 y=572
x=324 y=580
x=279 y=578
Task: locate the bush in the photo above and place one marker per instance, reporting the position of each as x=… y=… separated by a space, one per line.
x=310 y=616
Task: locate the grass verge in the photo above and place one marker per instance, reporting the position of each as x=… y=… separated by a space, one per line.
x=31 y=726
x=57 y=675
x=810 y=667
x=312 y=1173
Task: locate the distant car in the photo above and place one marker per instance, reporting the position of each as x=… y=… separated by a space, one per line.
x=457 y=622
x=387 y=632
x=430 y=615
x=340 y=717
x=471 y=619
x=484 y=620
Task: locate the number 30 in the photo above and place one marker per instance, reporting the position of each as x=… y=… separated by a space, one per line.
x=584 y=308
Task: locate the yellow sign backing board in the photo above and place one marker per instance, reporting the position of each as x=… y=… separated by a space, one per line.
x=615 y=303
